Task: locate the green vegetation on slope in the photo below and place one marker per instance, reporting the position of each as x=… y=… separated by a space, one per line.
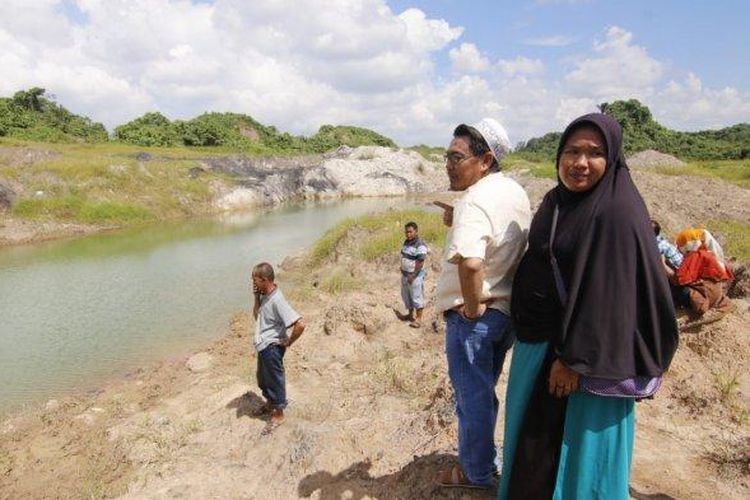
x=431 y=153
x=237 y=131
x=642 y=132
x=383 y=233
x=106 y=184
x=544 y=169
x=32 y=116
x=737 y=238
x=736 y=172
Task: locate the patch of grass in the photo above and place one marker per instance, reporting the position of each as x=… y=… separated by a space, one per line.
x=430 y=153
x=731 y=456
x=6 y=462
x=737 y=238
x=113 y=213
x=392 y=374
x=47 y=208
x=326 y=245
x=106 y=470
x=338 y=281
x=106 y=183
x=734 y=171
x=541 y=168
x=727 y=382
x=384 y=233
x=77 y=208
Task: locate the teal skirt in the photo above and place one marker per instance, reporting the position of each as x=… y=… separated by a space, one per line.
x=598 y=438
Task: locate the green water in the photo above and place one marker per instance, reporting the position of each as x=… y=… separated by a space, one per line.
x=73 y=313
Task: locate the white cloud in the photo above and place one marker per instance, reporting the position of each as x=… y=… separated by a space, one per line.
x=428 y=34
x=569 y=108
x=520 y=66
x=298 y=65
x=618 y=68
x=549 y=41
x=689 y=105
x=467 y=59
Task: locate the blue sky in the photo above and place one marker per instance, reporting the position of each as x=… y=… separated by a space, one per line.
x=409 y=69
x=708 y=37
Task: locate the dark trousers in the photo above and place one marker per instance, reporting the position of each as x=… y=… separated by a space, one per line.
x=270 y=375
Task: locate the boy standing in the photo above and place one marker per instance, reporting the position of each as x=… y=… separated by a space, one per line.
x=413 y=254
x=273 y=316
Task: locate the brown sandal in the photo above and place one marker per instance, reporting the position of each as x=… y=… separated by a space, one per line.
x=455 y=478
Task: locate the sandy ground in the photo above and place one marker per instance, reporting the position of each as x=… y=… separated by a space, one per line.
x=371 y=412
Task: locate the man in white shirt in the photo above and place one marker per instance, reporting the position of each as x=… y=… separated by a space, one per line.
x=488 y=232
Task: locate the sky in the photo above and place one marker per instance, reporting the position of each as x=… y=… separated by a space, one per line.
x=409 y=69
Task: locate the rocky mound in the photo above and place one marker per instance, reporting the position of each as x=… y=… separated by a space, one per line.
x=362 y=171
x=651 y=158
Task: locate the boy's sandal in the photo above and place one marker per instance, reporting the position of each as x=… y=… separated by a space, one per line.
x=455 y=478
x=415 y=324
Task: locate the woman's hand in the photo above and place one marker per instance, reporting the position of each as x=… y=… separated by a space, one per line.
x=562 y=380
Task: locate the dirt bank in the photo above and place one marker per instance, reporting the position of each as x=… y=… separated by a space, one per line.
x=371 y=412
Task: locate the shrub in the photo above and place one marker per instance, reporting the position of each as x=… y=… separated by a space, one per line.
x=33 y=116
x=151 y=129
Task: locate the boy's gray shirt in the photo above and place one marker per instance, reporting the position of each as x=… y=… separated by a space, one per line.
x=274 y=317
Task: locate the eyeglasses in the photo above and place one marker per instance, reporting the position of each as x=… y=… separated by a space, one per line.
x=455 y=159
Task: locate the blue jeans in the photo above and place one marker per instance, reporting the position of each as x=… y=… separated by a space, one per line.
x=476 y=352
x=270 y=375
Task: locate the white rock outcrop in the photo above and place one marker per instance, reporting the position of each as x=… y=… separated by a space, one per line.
x=362 y=171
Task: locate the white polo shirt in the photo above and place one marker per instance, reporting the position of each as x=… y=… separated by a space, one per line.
x=491 y=222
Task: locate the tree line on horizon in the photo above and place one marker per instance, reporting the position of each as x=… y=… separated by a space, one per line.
x=642 y=132
x=33 y=115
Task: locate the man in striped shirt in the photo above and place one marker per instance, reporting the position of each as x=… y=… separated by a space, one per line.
x=413 y=254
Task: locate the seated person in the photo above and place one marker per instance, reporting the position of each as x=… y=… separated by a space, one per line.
x=670 y=253
x=702 y=273
x=672 y=260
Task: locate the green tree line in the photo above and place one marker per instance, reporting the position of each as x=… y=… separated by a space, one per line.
x=32 y=115
x=642 y=132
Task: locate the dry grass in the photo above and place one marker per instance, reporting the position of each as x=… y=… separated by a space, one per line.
x=734 y=171
x=107 y=184
x=731 y=457
x=736 y=238
x=338 y=281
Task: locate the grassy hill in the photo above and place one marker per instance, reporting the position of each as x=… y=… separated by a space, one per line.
x=31 y=115
x=642 y=132
x=242 y=132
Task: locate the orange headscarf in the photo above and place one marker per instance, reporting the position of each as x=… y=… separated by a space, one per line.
x=690 y=240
